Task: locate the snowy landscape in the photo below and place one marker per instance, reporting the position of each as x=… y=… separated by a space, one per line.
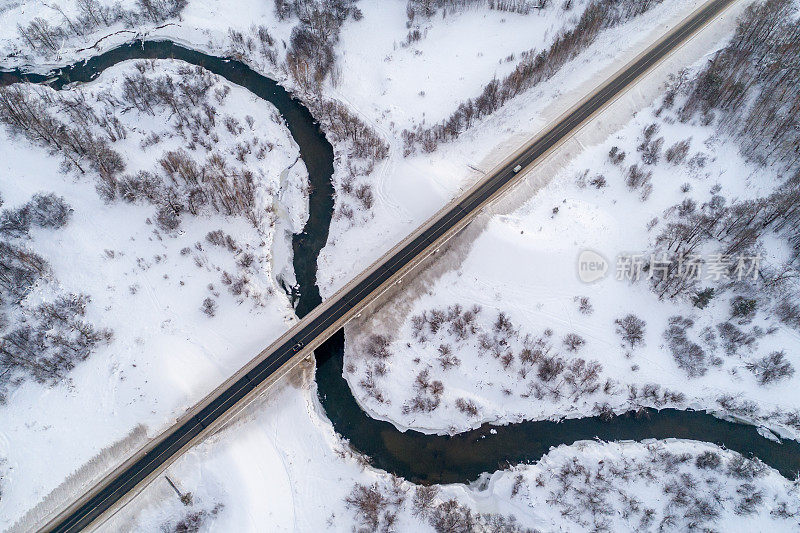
x=148 y=226
x=498 y=335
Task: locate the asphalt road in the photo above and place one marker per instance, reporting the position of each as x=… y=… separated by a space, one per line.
x=271 y=362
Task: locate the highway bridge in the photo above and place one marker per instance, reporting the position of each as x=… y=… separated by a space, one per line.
x=218 y=407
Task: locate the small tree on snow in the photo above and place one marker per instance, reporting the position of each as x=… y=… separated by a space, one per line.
x=771 y=368
x=631 y=329
x=573 y=341
x=209 y=307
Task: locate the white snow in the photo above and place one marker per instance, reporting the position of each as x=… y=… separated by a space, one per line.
x=411 y=189
x=283 y=465
x=166 y=354
x=536 y=283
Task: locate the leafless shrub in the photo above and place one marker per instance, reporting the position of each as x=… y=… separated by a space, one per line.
x=549 y=367
x=377 y=347
x=209 y=307
x=370 y=504
x=446 y=358
x=584 y=305
x=436 y=319
x=676 y=154
x=573 y=342
x=467 y=407
x=788 y=312
x=167 y=219
x=631 y=329
x=743 y=309
x=503 y=324
x=423 y=503
x=598 y=182
x=637 y=177
x=771 y=368
x=518 y=482
x=708 y=460
x=616 y=156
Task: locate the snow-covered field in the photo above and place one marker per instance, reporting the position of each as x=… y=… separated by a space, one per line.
x=283 y=465
x=392 y=85
x=411 y=189
x=147 y=285
x=498 y=371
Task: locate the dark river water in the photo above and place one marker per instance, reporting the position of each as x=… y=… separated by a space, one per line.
x=418 y=457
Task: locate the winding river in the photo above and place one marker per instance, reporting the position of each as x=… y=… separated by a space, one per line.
x=418 y=457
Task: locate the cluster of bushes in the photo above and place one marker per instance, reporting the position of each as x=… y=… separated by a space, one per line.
x=426 y=9
x=748 y=409
x=749 y=88
x=345 y=127
x=239 y=283
x=366 y=149
x=310 y=57
x=377 y=507
x=652 y=395
x=47 y=39
x=82 y=139
x=524 y=7
x=193 y=521
x=532 y=70
x=43 y=342
x=528 y=358
x=735 y=230
x=376 y=351
x=428 y=394
x=693 y=358
x=258 y=40
x=752 y=85
x=182 y=183
x=695 y=489
x=87 y=131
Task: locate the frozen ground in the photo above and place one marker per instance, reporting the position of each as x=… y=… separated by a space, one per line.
x=411 y=189
x=381 y=80
x=283 y=465
x=497 y=370
x=148 y=286
x=393 y=85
